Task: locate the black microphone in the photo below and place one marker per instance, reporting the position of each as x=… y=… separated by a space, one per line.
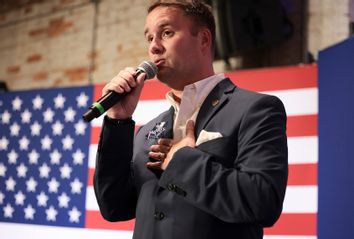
x=112 y=97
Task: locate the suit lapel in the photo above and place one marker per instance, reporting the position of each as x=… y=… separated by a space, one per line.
x=216 y=99
x=168 y=118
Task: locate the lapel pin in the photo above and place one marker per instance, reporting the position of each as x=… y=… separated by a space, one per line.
x=215 y=102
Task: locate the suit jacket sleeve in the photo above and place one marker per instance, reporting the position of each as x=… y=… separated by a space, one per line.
x=113 y=183
x=252 y=191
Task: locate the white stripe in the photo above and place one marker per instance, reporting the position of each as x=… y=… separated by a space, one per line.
x=288 y=237
x=92 y=155
x=303 y=149
x=298 y=101
x=91 y=202
x=21 y=231
x=145 y=111
x=300 y=199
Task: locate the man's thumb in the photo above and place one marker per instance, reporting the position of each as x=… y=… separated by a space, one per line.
x=190 y=128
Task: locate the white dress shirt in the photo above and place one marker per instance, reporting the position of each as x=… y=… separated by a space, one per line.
x=193 y=96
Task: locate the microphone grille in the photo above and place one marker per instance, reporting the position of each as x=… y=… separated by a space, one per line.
x=149 y=68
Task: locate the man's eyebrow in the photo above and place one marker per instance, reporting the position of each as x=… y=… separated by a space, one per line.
x=161 y=25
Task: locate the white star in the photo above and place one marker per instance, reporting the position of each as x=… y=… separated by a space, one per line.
x=74 y=215
x=21 y=171
x=53 y=185
x=69 y=115
x=33 y=157
x=10 y=184
x=59 y=101
x=26 y=116
x=15 y=129
x=63 y=200
x=48 y=115
x=65 y=171
x=8 y=211
x=24 y=142
x=80 y=128
x=82 y=100
x=19 y=198
x=37 y=103
x=29 y=212
x=57 y=128
x=51 y=214
x=78 y=157
x=55 y=157
x=2 y=197
x=2 y=170
x=16 y=103
x=76 y=186
x=5 y=117
x=36 y=128
x=31 y=185
x=46 y=143
x=4 y=142
x=12 y=157
x=44 y=171
x=67 y=142
x=42 y=199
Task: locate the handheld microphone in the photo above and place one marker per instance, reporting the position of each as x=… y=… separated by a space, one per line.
x=112 y=97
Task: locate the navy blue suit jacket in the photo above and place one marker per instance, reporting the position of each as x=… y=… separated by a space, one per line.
x=229 y=187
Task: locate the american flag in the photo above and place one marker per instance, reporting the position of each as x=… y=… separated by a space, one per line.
x=47 y=157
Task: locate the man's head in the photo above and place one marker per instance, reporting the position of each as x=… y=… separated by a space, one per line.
x=181 y=38
x=197 y=10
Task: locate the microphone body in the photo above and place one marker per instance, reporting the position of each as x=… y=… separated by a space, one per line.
x=111 y=98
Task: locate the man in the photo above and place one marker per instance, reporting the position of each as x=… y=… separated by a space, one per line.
x=214 y=165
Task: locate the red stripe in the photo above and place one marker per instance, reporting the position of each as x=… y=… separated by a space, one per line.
x=299 y=174
x=302 y=174
x=95 y=134
x=272 y=79
x=303 y=125
x=299 y=224
x=94 y=219
x=288 y=224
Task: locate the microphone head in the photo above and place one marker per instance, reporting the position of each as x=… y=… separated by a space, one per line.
x=149 y=68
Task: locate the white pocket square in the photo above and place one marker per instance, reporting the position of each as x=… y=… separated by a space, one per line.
x=205 y=136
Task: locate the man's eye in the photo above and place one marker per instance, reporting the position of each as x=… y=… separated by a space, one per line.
x=167 y=34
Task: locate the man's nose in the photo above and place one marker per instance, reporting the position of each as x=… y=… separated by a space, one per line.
x=156 y=46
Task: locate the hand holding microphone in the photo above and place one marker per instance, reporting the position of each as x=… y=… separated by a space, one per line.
x=122 y=93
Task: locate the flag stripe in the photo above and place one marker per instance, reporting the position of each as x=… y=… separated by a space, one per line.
x=95 y=220
x=294 y=224
x=299 y=174
x=285 y=78
x=296 y=102
x=303 y=125
x=298 y=199
x=288 y=224
x=13 y=231
x=296 y=154
x=302 y=174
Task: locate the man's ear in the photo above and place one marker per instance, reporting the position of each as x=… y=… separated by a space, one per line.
x=205 y=39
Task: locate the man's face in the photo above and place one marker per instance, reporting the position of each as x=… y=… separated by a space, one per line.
x=172 y=47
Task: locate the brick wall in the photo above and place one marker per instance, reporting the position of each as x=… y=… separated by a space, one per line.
x=50 y=43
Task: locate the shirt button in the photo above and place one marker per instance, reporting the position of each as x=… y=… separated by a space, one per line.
x=159 y=215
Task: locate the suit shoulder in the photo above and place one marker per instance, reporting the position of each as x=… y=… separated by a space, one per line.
x=249 y=99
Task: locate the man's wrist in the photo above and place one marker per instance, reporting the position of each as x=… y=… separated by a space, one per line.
x=113 y=121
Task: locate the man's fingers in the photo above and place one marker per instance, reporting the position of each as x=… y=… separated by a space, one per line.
x=159 y=156
x=190 y=129
x=156 y=165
